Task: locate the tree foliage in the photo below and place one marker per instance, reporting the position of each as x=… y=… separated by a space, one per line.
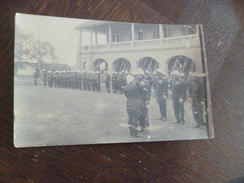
x=28 y=48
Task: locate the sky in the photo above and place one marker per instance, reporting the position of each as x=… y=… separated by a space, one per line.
x=57 y=31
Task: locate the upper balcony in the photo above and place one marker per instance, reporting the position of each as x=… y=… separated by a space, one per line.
x=102 y=36
x=164 y=43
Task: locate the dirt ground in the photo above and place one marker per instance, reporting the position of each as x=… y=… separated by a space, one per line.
x=46 y=116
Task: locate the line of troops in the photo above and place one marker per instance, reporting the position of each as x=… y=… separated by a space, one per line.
x=88 y=80
x=138 y=94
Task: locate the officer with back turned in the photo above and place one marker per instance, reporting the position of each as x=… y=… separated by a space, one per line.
x=133 y=104
x=145 y=95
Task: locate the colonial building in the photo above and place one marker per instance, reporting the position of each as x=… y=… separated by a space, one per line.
x=117 y=46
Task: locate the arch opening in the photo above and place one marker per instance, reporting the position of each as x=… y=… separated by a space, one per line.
x=102 y=66
x=148 y=63
x=181 y=63
x=121 y=64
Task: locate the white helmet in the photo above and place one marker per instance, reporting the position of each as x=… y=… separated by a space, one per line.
x=129 y=78
x=139 y=71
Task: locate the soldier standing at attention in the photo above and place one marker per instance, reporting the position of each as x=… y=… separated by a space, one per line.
x=107 y=81
x=197 y=97
x=98 y=81
x=35 y=78
x=114 y=82
x=177 y=97
x=84 y=80
x=162 y=92
x=133 y=104
x=184 y=85
x=44 y=77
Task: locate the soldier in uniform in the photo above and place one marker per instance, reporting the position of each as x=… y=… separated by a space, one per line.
x=89 y=80
x=145 y=95
x=133 y=104
x=44 y=77
x=120 y=82
x=162 y=92
x=114 y=82
x=107 y=81
x=197 y=97
x=84 y=80
x=98 y=81
x=35 y=78
x=184 y=86
x=177 y=97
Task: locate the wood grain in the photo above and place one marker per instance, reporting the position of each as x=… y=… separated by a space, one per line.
x=216 y=160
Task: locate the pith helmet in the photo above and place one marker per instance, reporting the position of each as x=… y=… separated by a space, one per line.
x=139 y=71
x=175 y=72
x=161 y=71
x=196 y=74
x=129 y=78
x=147 y=72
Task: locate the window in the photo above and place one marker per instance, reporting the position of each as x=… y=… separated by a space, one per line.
x=115 y=38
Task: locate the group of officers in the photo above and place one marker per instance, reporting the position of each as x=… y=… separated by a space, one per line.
x=177 y=85
x=137 y=87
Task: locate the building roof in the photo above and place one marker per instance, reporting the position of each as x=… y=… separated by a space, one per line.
x=50 y=66
x=92 y=23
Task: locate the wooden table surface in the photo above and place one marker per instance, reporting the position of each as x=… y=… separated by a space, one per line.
x=216 y=160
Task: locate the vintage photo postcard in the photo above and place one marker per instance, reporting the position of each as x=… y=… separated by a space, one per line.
x=80 y=81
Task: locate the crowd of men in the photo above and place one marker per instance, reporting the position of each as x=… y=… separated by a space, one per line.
x=138 y=93
x=88 y=80
x=137 y=88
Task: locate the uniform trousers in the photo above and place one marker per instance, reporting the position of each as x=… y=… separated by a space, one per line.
x=178 y=109
x=197 y=110
x=133 y=112
x=162 y=105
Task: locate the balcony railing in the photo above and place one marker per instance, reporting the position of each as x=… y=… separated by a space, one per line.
x=189 y=40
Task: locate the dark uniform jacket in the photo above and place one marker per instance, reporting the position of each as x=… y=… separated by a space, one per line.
x=107 y=78
x=145 y=91
x=162 y=87
x=132 y=93
x=197 y=90
x=177 y=89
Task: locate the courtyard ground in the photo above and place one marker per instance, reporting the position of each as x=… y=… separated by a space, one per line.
x=45 y=116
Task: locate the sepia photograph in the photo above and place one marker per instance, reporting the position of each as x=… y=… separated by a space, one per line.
x=80 y=81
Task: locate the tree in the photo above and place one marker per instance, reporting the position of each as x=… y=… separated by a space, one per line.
x=29 y=48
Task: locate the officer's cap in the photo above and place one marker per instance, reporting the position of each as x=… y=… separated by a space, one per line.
x=122 y=71
x=129 y=78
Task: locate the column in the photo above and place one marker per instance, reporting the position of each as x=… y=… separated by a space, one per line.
x=161 y=34
x=132 y=35
x=80 y=50
x=90 y=47
x=109 y=36
x=96 y=37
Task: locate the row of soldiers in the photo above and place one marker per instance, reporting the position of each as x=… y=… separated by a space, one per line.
x=87 y=80
x=73 y=79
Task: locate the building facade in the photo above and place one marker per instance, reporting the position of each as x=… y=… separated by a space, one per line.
x=114 y=46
